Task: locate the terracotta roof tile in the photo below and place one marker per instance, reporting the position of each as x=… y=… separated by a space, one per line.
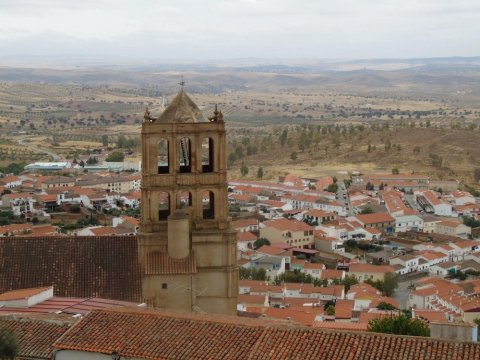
x=344 y=309
x=374 y=218
x=332 y=325
x=245 y=236
x=332 y=274
x=22 y=293
x=241 y=223
x=270 y=250
x=78 y=266
x=35 y=336
x=159 y=263
x=369 y=268
x=301 y=317
x=290 y=225
x=152 y=334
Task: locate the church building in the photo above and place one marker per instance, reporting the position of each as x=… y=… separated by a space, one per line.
x=187 y=247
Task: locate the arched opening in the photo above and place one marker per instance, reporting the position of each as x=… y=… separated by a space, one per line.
x=162 y=157
x=185 y=200
x=208 y=200
x=207 y=155
x=185 y=155
x=164 y=206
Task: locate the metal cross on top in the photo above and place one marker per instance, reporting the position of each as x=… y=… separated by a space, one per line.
x=182 y=83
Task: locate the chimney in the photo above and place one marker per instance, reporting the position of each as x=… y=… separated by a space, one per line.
x=179 y=234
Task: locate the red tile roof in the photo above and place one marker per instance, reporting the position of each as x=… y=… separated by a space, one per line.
x=246 y=236
x=319 y=213
x=69 y=306
x=331 y=274
x=369 y=268
x=35 y=336
x=159 y=263
x=374 y=218
x=77 y=266
x=270 y=250
x=303 y=317
x=21 y=294
x=344 y=309
x=251 y=299
x=152 y=334
x=430 y=315
x=242 y=223
x=333 y=325
x=288 y=225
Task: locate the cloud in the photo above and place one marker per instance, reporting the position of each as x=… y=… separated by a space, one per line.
x=240 y=28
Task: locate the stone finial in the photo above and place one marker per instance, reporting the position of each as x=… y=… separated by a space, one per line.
x=147 y=117
x=217 y=115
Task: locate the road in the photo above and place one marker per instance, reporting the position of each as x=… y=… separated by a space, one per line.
x=36 y=149
x=342 y=197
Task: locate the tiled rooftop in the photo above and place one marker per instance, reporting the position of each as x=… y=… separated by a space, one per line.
x=22 y=293
x=35 y=336
x=75 y=266
x=158 y=263
x=152 y=334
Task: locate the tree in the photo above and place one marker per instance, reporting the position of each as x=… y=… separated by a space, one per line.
x=477 y=321
x=244 y=169
x=332 y=188
x=387 y=286
x=75 y=209
x=13 y=168
x=293 y=156
x=92 y=161
x=367 y=210
x=390 y=284
x=388 y=145
x=399 y=325
x=385 y=306
x=116 y=156
x=294 y=276
x=232 y=157
x=283 y=137
x=470 y=221
x=348 y=281
x=330 y=310
x=260 y=172
x=395 y=171
x=260 y=242
x=476 y=174
x=105 y=140
x=252 y=274
x=416 y=150
x=8 y=344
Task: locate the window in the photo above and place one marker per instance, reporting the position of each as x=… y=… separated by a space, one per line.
x=207 y=155
x=185 y=155
x=164 y=206
x=185 y=200
x=208 y=200
x=162 y=157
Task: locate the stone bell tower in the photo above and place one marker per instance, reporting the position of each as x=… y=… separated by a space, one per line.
x=187 y=247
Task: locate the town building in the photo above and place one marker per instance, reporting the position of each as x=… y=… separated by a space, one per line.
x=292 y=232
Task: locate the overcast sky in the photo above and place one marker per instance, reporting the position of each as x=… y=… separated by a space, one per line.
x=159 y=30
